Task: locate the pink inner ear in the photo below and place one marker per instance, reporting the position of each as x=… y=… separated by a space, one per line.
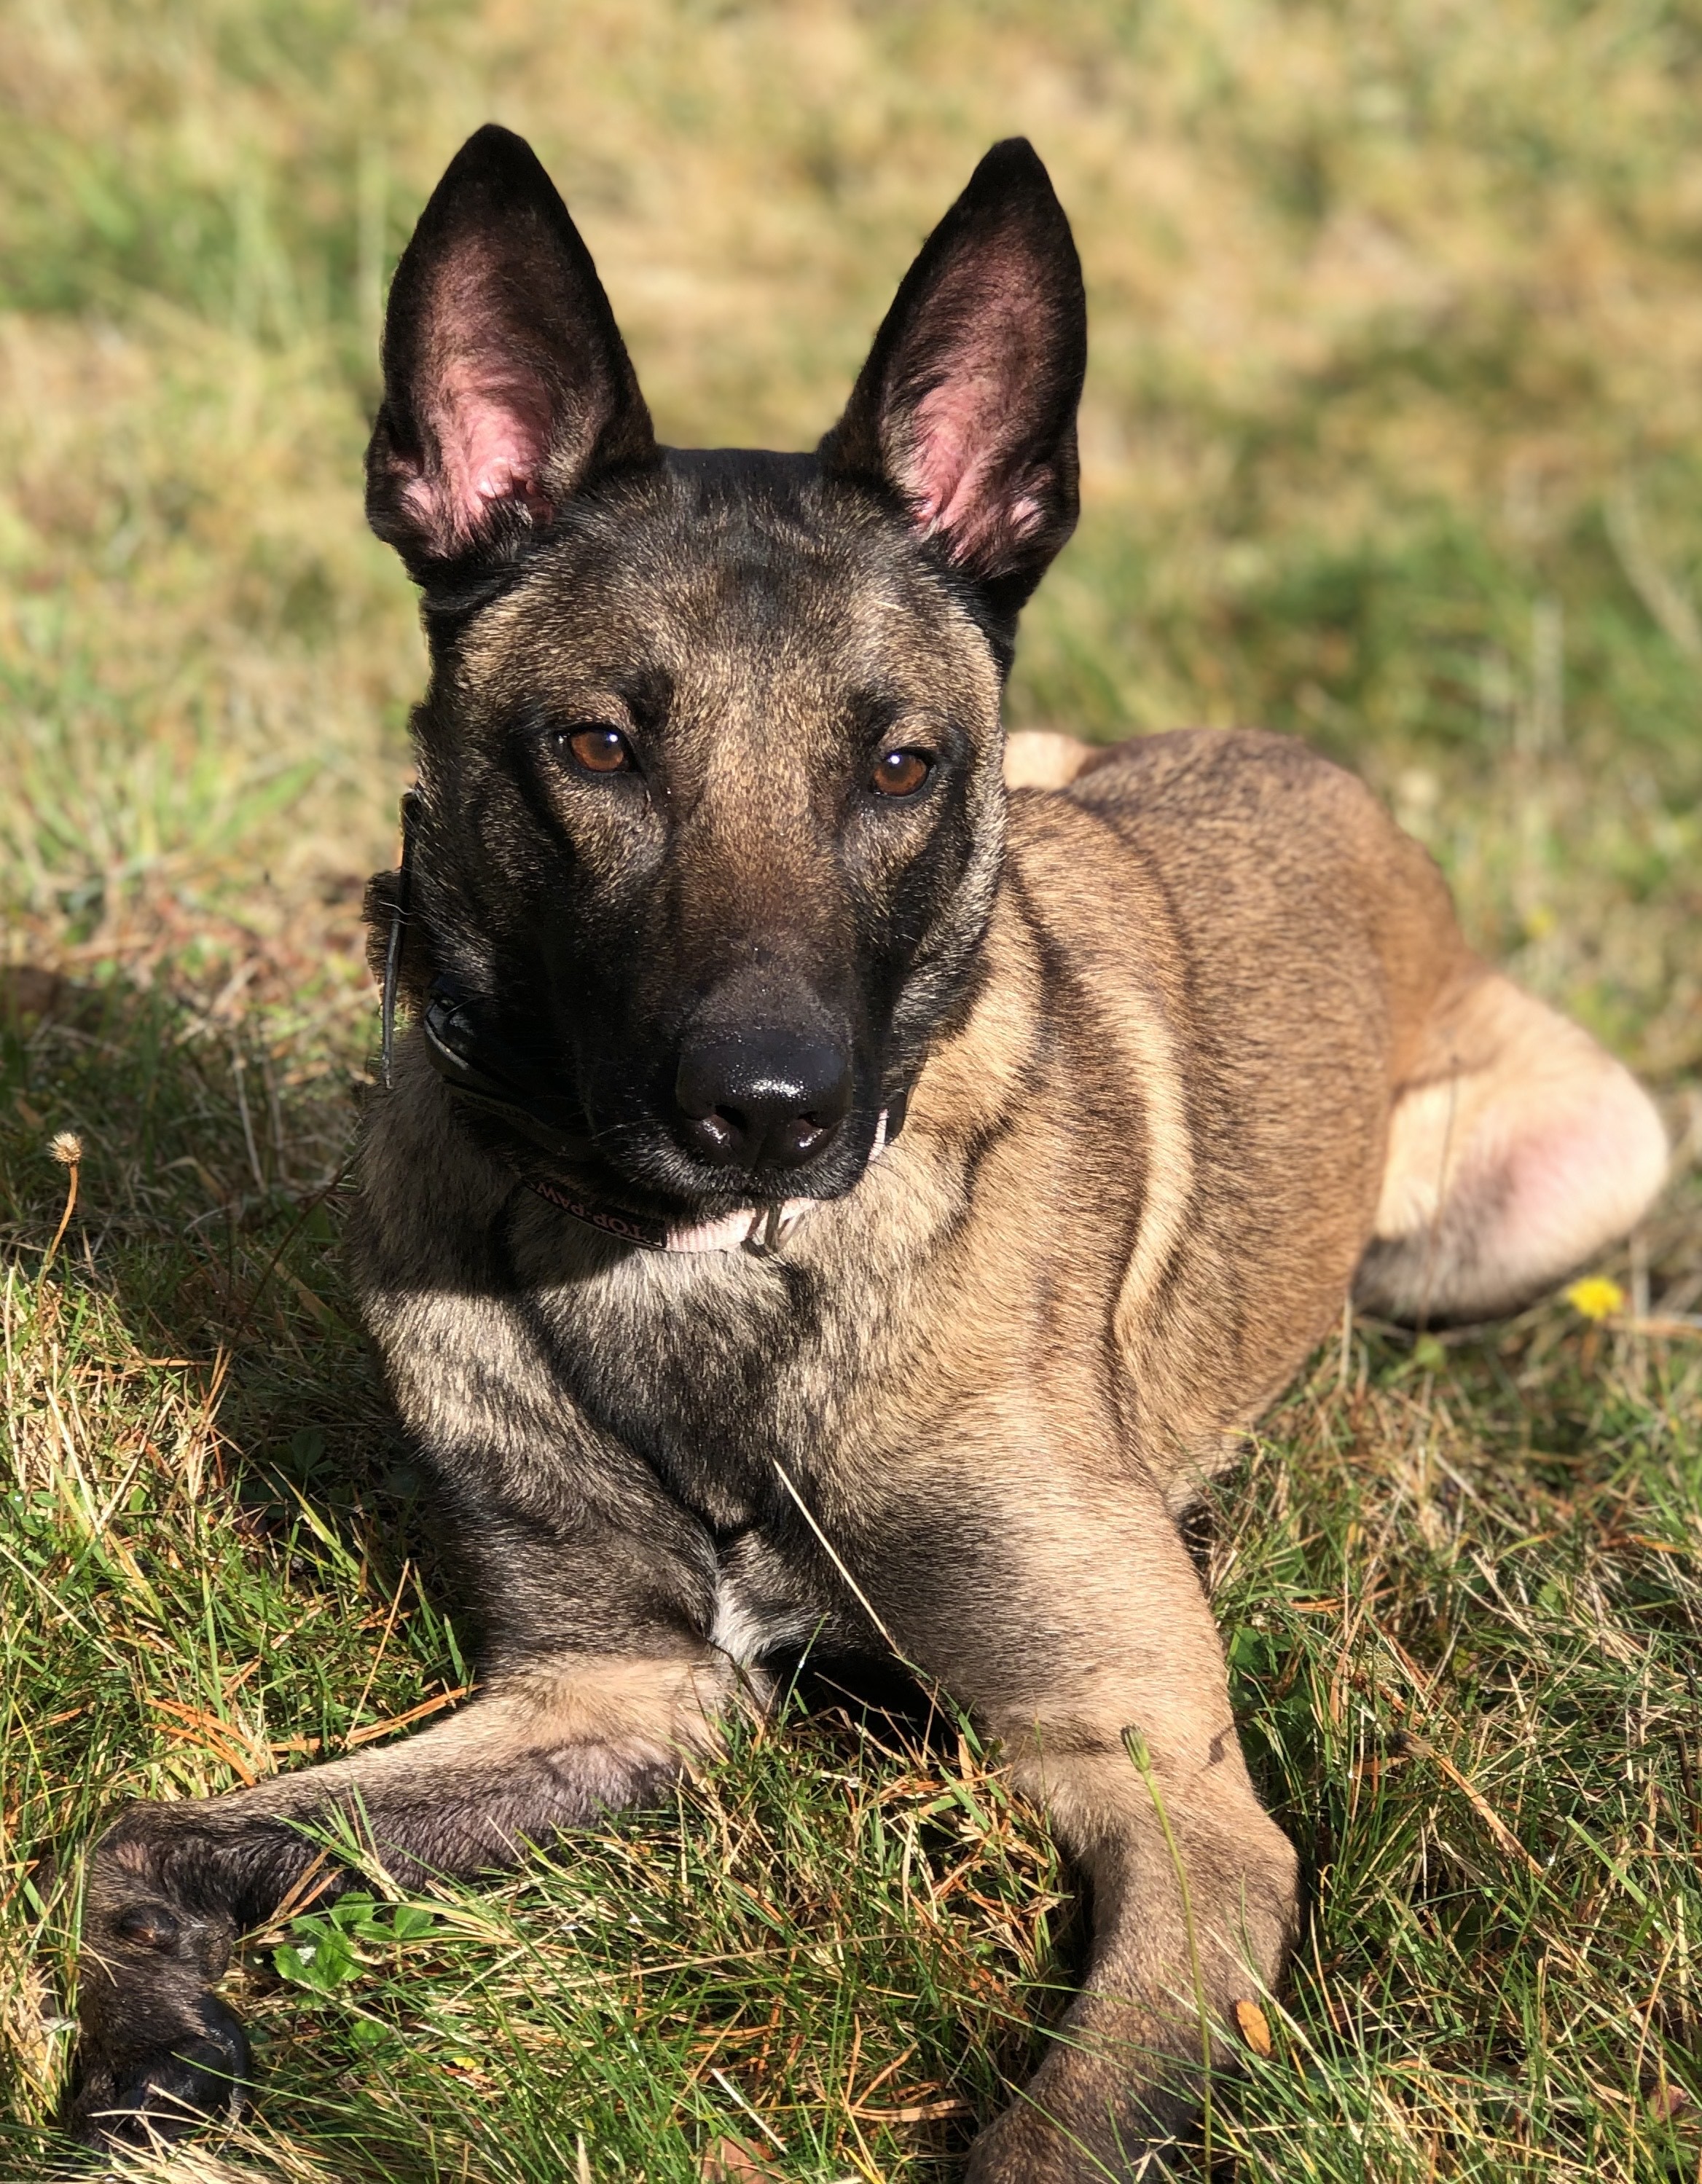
x=492 y=430
x=488 y=414
x=963 y=432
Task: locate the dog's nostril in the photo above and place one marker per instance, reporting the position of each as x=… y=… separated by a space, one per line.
x=718 y=1131
x=798 y=1139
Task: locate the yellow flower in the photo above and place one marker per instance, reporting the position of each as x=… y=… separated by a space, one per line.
x=1596 y=1297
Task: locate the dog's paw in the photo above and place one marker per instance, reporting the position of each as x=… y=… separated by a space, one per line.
x=1022 y=2147
x=1082 y=2124
x=161 y=2093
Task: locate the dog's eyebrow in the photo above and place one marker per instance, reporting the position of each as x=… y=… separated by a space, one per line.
x=647 y=694
x=872 y=710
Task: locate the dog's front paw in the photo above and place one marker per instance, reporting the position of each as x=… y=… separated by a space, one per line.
x=1087 y=2118
x=132 y=2095
x=159 y=2053
x=1022 y=2147
x=1026 y=2146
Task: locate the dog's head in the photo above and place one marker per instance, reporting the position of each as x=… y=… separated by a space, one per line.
x=710 y=813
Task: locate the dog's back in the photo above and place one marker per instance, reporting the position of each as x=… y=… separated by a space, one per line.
x=1302 y=941
x=1345 y=1070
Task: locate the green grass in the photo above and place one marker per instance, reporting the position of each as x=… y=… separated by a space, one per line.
x=1392 y=440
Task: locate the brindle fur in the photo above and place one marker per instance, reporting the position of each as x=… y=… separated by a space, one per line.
x=1190 y=1034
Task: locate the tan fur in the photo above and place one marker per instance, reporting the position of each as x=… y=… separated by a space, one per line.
x=1041 y=758
x=1261 y=972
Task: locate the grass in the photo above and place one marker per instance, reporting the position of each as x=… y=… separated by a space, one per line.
x=1393 y=439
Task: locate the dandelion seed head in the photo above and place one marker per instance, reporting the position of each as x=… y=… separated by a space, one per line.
x=66 y=1147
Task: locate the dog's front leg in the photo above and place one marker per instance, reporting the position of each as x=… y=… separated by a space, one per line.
x=545 y=1748
x=1072 y=1623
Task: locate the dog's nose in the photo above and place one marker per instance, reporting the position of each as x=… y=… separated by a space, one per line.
x=762 y=1098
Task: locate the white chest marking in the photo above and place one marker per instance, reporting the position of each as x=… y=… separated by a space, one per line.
x=744 y=1630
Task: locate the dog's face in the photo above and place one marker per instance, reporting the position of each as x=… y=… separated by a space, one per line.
x=710 y=808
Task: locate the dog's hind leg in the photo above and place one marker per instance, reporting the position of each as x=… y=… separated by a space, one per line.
x=546 y=1748
x=1517 y=1149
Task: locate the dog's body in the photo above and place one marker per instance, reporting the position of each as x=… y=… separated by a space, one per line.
x=1153 y=1060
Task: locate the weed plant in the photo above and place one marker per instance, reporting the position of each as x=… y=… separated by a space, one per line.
x=1393 y=439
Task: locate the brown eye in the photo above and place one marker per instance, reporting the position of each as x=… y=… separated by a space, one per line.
x=900 y=773
x=599 y=751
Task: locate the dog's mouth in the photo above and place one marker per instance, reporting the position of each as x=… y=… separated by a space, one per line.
x=707 y=1160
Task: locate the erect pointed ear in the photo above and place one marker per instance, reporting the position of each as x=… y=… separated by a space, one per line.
x=966 y=408
x=507 y=384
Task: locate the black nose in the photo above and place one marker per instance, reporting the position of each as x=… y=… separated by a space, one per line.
x=762 y=1098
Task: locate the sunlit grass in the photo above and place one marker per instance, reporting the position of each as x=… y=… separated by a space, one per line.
x=1393 y=439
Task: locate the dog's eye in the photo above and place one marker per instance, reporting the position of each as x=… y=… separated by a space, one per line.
x=900 y=773
x=598 y=750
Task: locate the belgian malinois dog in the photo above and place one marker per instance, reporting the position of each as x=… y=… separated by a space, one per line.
x=847 y=1180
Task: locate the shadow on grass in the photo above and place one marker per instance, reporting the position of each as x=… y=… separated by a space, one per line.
x=213 y=1181
x=215 y=1558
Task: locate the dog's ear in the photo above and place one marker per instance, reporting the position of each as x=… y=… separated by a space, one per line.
x=966 y=408
x=507 y=384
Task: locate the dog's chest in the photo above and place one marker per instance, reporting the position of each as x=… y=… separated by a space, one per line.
x=721 y=1375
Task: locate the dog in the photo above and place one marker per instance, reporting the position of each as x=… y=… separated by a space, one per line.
x=824 y=1196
